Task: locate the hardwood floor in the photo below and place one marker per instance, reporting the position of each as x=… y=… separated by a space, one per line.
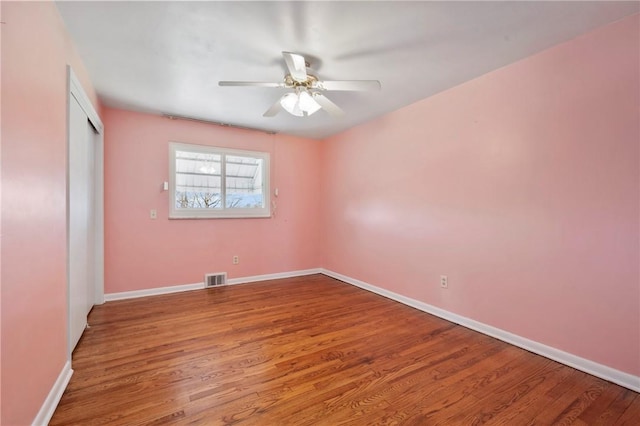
x=315 y=351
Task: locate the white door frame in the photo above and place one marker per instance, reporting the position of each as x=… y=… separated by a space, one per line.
x=76 y=90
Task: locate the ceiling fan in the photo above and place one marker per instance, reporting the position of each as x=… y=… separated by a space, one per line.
x=306 y=97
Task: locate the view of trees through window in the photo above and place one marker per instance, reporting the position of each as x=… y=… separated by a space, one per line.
x=204 y=180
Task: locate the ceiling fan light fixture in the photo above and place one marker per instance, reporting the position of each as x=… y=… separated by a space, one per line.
x=307 y=103
x=299 y=104
x=290 y=104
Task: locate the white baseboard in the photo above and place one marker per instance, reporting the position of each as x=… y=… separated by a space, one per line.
x=51 y=403
x=276 y=276
x=599 y=370
x=152 y=291
x=198 y=286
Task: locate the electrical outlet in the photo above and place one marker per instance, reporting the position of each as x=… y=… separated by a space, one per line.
x=153 y=214
x=236 y=260
x=444 y=281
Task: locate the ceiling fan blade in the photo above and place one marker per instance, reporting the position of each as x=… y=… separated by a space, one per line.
x=355 y=85
x=327 y=105
x=296 y=65
x=273 y=109
x=250 y=83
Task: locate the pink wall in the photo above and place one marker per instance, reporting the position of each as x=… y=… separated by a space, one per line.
x=141 y=253
x=522 y=186
x=35 y=51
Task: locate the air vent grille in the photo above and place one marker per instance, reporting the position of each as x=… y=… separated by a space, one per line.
x=215 y=279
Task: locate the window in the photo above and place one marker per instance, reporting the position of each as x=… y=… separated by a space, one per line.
x=210 y=182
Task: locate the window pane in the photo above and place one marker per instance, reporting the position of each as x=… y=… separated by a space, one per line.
x=198 y=180
x=213 y=182
x=243 y=182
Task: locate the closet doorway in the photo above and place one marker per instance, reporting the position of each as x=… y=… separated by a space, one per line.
x=85 y=236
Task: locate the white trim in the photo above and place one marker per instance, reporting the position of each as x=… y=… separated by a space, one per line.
x=75 y=88
x=152 y=292
x=51 y=402
x=276 y=276
x=199 y=286
x=99 y=219
x=599 y=370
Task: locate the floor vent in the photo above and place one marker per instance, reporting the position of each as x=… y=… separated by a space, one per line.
x=215 y=280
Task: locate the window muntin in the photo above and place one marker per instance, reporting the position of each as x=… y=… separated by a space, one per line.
x=210 y=182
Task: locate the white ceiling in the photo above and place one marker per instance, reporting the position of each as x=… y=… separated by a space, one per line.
x=167 y=57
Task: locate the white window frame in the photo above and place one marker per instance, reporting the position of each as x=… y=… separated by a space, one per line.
x=175 y=213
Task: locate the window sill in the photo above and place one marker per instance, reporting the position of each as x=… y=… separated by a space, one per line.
x=260 y=216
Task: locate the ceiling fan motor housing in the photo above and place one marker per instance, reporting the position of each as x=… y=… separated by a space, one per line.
x=310 y=83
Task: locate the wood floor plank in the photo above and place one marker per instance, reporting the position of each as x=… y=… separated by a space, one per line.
x=622 y=400
x=535 y=402
x=631 y=415
x=314 y=351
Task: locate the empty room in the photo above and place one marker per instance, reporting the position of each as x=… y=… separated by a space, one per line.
x=320 y=213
